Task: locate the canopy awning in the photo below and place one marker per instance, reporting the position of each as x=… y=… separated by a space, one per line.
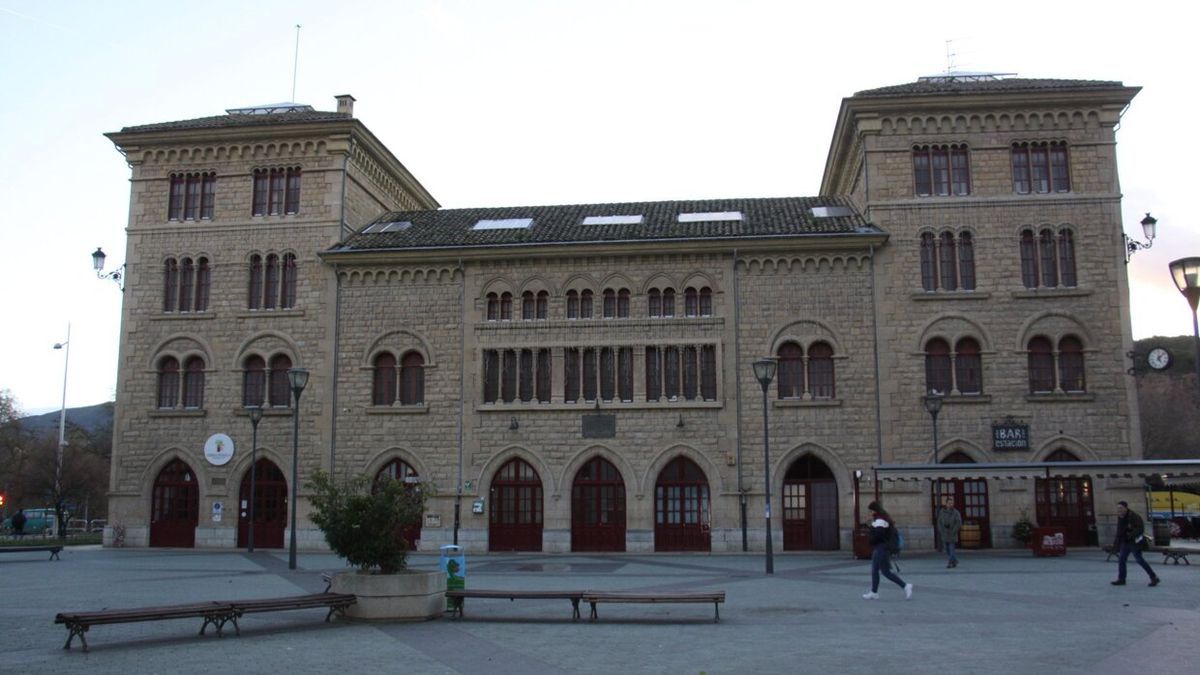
x=1163 y=468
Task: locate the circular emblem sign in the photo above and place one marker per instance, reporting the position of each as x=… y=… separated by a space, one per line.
x=218 y=449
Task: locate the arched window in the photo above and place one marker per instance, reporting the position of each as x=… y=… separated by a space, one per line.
x=968 y=367
x=412 y=379
x=572 y=304
x=277 y=380
x=271 y=284
x=585 y=304
x=623 y=303
x=966 y=261
x=1070 y=364
x=654 y=302
x=791 y=370
x=706 y=301
x=254 y=381
x=193 y=383
x=506 y=302
x=691 y=302
x=928 y=262
x=170 y=284
x=383 y=389
x=938 y=375
x=1048 y=258
x=493 y=307
x=202 y=281
x=668 y=302
x=1041 y=366
x=528 y=306
x=1066 y=257
x=168 y=382
x=187 y=275
x=542 y=310
x=1029 y=260
x=610 y=304
x=185 y=285
x=949 y=262
x=820 y=371
x=256 y=282
x=287 y=298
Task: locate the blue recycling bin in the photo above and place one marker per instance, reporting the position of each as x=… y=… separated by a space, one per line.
x=454 y=563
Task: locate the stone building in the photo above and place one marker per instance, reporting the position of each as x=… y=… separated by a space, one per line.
x=579 y=377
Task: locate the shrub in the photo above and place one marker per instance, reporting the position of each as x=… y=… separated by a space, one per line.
x=363 y=520
x=1022 y=530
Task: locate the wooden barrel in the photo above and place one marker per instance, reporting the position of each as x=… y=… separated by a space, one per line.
x=969 y=536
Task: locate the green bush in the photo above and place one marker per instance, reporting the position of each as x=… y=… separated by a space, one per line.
x=364 y=520
x=1022 y=530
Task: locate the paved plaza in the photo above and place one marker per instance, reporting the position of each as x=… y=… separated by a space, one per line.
x=998 y=612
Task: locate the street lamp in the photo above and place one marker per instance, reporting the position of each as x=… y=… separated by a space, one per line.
x=764 y=371
x=1186 y=273
x=65 y=345
x=933 y=403
x=256 y=413
x=1149 y=223
x=117 y=275
x=297 y=378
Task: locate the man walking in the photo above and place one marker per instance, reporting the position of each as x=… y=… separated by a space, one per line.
x=18 y=523
x=1131 y=532
x=949 y=522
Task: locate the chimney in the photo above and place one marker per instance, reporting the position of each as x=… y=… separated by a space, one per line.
x=345 y=104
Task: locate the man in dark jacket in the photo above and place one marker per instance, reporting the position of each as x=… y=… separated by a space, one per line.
x=1130 y=533
x=18 y=523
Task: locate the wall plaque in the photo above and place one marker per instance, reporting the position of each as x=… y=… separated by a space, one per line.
x=1009 y=434
x=599 y=426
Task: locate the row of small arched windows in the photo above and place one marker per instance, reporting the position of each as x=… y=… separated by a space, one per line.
x=614 y=304
x=960 y=371
x=1047 y=259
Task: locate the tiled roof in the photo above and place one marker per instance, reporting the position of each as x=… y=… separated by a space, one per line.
x=222 y=121
x=969 y=85
x=769 y=217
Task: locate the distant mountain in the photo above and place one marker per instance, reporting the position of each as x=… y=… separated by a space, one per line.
x=90 y=418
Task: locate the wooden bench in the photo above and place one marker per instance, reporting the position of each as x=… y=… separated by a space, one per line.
x=215 y=613
x=460 y=594
x=54 y=550
x=715 y=597
x=1173 y=554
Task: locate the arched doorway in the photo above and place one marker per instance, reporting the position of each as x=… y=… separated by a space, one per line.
x=810 y=508
x=270 y=506
x=400 y=470
x=681 y=508
x=516 y=513
x=175 y=506
x=1067 y=503
x=598 y=507
x=970 y=498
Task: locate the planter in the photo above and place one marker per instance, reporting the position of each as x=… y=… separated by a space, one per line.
x=406 y=596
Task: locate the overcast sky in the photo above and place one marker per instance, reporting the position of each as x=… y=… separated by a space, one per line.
x=505 y=102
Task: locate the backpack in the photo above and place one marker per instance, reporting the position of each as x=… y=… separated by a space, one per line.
x=895 y=540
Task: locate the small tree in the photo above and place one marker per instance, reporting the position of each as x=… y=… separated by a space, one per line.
x=1022 y=530
x=364 y=520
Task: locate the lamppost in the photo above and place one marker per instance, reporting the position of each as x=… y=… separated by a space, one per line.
x=1149 y=223
x=1186 y=273
x=297 y=378
x=764 y=371
x=65 y=345
x=256 y=413
x=933 y=403
x=117 y=275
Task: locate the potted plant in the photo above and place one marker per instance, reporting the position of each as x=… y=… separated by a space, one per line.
x=363 y=521
x=1022 y=530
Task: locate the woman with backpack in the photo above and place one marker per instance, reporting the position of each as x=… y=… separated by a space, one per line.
x=883 y=529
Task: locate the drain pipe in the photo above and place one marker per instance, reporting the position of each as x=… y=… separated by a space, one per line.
x=878 y=403
x=462 y=394
x=737 y=382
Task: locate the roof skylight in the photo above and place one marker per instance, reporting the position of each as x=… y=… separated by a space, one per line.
x=710 y=216
x=831 y=211
x=375 y=227
x=614 y=220
x=396 y=226
x=504 y=224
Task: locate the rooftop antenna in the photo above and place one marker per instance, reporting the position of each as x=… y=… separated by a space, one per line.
x=295 y=63
x=950 y=56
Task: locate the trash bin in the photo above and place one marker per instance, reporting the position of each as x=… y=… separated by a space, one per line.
x=454 y=563
x=862 y=542
x=1162 y=533
x=1049 y=541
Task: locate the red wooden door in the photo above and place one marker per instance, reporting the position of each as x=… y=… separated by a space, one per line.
x=516 y=510
x=681 y=508
x=270 y=506
x=1067 y=503
x=400 y=470
x=174 y=507
x=810 y=512
x=598 y=508
x=971 y=501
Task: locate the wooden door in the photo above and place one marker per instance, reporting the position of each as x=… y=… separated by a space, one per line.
x=400 y=470
x=270 y=506
x=681 y=508
x=516 y=509
x=1067 y=503
x=971 y=502
x=598 y=508
x=175 y=507
x=810 y=507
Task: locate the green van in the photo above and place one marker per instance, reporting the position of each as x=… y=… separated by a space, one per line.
x=37 y=521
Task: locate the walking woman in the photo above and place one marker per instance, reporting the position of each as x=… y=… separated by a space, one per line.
x=881 y=559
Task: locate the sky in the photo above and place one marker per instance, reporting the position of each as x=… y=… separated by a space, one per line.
x=525 y=102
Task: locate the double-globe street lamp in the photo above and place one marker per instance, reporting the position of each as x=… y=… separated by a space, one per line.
x=1186 y=274
x=764 y=372
x=256 y=413
x=297 y=379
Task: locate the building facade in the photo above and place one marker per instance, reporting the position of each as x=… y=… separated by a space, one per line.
x=579 y=377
